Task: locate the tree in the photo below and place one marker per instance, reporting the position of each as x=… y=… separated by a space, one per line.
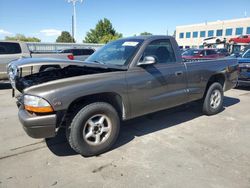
x=146 y=33
x=20 y=37
x=103 y=33
x=65 y=37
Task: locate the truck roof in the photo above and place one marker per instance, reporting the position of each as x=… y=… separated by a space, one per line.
x=146 y=37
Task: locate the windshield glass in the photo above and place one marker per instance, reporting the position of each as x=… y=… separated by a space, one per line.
x=191 y=52
x=118 y=52
x=246 y=54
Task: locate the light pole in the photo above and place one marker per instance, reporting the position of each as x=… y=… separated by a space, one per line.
x=74 y=16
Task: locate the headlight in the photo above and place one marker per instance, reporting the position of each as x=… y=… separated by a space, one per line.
x=36 y=104
x=12 y=71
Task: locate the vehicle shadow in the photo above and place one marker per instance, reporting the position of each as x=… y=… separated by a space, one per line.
x=246 y=88
x=142 y=126
x=5 y=86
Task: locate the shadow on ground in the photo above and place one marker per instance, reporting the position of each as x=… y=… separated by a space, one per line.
x=142 y=126
x=246 y=88
x=5 y=86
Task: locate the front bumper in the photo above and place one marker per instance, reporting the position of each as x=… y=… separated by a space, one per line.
x=38 y=126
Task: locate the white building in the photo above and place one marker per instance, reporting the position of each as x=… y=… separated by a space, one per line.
x=192 y=36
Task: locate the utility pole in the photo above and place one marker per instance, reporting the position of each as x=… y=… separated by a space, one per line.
x=74 y=16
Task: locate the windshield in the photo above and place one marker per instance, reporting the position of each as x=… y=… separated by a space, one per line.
x=118 y=52
x=246 y=54
x=191 y=52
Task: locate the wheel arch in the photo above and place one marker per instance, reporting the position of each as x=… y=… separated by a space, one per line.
x=219 y=77
x=111 y=98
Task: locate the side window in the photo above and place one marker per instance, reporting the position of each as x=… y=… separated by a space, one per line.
x=76 y=52
x=87 y=51
x=67 y=51
x=9 y=48
x=211 y=52
x=162 y=51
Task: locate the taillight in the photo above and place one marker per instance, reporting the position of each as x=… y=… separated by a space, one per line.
x=71 y=57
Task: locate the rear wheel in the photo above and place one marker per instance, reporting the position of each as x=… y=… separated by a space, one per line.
x=94 y=129
x=213 y=101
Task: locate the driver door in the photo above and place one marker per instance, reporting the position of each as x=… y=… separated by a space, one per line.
x=158 y=86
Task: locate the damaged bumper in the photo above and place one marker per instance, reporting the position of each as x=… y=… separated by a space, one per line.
x=38 y=126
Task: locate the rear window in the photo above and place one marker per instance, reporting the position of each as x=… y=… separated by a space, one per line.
x=211 y=52
x=84 y=52
x=78 y=52
x=9 y=48
x=191 y=52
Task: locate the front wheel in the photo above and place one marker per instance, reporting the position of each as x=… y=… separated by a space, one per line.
x=213 y=101
x=94 y=129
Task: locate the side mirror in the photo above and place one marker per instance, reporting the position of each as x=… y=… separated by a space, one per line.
x=148 y=60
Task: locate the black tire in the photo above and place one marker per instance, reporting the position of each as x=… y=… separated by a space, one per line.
x=209 y=109
x=218 y=41
x=75 y=133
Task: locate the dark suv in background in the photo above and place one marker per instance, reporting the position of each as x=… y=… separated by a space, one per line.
x=79 y=53
x=201 y=54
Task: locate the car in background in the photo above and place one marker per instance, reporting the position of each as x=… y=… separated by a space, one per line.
x=12 y=50
x=240 y=39
x=79 y=53
x=223 y=51
x=201 y=54
x=244 y=69
x=213 y=40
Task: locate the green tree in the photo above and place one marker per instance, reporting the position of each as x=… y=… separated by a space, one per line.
x=20 y=37
x=103 y=33
x=146 y=33
x=65 y=37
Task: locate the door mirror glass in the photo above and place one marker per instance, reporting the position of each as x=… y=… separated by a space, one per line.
x=147 y=60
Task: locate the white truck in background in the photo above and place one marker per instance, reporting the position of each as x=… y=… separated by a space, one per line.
x=11 y=50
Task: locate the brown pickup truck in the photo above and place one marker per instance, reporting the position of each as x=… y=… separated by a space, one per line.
x=125 y=79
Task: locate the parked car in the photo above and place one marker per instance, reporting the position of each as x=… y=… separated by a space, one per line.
x=240 y=39
x=125 y=79
x=222 y=51
x=11 y=50
x=201 y=54
x=213 y=40
x=79 y=53
x=244 y=68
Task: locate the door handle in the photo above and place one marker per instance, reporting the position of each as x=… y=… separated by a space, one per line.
x=178 y=73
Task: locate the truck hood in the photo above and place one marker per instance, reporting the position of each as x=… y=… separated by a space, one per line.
x=67 y=68
x=28 y=62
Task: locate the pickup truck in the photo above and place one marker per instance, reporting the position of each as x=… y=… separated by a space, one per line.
x=11 y=50
x=125 y=79
x=244 y=67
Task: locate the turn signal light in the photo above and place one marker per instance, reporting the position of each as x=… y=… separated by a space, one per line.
x=36 y=104
x=46 y=109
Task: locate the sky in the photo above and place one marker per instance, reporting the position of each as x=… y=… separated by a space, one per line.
x=46 y=19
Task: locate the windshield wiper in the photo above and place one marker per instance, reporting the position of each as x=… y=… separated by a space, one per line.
x=96 y=61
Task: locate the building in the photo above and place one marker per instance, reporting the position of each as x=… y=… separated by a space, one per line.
x=192 y=36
